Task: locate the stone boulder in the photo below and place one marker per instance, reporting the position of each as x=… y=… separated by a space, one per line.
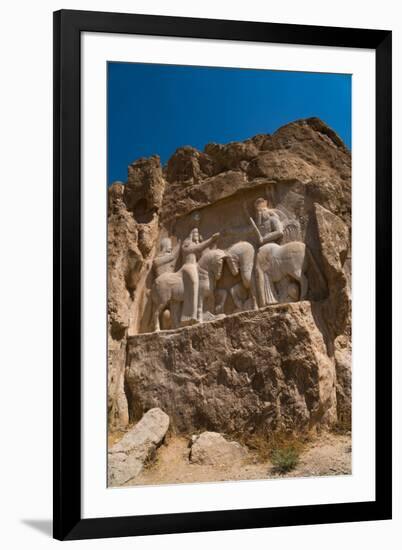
x=255 y=371
x=213 y=449
x=127 y=457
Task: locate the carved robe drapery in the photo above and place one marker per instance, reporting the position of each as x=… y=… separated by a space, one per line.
x=192 y=247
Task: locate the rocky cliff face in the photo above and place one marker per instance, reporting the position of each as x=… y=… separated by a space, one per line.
x=256 y=371
x=284 y=366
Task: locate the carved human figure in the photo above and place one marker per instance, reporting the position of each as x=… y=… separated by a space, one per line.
x=192 y=248
x=165 y=260
x=267 y=225
x=268 y=229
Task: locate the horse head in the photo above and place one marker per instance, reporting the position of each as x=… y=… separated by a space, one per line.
x=233 y=263
x=212 y=262
x=241 y=258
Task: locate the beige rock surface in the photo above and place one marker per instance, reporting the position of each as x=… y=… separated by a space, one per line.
x=213 y=449
x=127 y=457
x=132 y=235
x=257 y=371
x=333 y=239
x=343 y=364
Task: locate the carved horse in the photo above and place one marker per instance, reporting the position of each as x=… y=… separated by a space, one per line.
x=168 y=288
x=240 y=259
x=275 y=263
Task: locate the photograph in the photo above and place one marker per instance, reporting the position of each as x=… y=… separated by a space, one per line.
x=229 y=254
x=202 y=205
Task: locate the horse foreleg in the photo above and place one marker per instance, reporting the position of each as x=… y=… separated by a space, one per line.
x=239 y=296
x=200 y=307
x=260 y=285
x=220 y=300
x=253 y=292
x=157 y=312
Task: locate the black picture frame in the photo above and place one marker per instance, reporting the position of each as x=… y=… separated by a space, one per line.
x=68 y=522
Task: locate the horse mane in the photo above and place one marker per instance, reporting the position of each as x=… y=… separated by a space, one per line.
x=210 y=255
x=241 y=256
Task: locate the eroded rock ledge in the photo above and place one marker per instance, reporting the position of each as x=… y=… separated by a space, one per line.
x=255 y=371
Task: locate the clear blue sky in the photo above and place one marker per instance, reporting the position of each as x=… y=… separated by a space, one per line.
x=154 y=109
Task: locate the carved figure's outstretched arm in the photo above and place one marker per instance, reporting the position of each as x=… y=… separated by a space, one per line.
x=195 y=248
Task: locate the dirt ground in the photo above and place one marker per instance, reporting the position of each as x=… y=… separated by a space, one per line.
x=326 y=455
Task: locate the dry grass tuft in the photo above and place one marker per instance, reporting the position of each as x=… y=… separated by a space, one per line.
x=284 y=460
x=265 y=445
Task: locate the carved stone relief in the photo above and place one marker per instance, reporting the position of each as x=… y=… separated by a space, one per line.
x=226 y=260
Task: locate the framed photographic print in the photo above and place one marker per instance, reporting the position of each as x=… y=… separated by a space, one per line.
x=222 y=274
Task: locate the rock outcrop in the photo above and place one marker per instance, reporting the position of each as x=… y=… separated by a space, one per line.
x=133 y=230
x=283 y=367
x=257 y=371
x=306 y=153
x=127 y=457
